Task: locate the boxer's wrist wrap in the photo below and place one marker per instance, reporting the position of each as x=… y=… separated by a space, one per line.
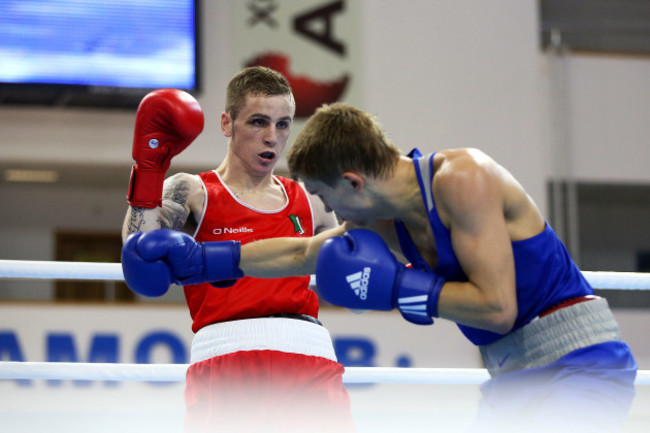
x=145 y=187
x=418 y=294
x=221 y=260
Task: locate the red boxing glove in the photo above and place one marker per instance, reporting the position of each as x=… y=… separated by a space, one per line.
x=167 y=121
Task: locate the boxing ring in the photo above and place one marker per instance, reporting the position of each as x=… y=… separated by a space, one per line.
x=24 y=269
x=454 y=381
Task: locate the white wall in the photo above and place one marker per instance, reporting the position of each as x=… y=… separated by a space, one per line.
x=455 y=74
x=610 y=117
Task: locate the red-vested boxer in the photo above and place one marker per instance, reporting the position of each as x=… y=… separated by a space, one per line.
x=261 y=360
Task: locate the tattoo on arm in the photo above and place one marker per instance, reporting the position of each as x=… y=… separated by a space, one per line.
x=174 y=213
x=137 y=221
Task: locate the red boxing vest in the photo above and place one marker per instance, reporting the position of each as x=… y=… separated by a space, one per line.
x=226 y=218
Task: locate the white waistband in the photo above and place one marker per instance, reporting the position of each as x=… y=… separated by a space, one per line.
x=268 y=333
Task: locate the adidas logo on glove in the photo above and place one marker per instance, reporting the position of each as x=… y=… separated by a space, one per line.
x=354 y=256
x=359 y=282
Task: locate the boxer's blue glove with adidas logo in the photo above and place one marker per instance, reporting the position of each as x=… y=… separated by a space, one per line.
x=152 y=261
x=358 y=271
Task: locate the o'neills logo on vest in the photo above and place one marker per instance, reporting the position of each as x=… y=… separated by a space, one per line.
x=230 y=230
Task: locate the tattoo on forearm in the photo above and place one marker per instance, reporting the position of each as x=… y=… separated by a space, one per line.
x=174 y=213
x=136 y=221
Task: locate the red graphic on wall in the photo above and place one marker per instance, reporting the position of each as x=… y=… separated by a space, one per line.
x=309 y=93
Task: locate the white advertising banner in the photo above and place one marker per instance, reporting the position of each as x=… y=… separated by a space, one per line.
x=161 y=334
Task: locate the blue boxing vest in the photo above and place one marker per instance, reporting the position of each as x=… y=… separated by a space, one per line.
x=545 y=273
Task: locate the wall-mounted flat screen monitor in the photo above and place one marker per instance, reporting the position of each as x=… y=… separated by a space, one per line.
x=106 y=53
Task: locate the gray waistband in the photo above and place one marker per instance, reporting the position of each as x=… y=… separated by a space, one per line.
x=547 y=339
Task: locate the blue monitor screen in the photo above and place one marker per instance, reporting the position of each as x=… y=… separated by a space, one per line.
x=138 y=44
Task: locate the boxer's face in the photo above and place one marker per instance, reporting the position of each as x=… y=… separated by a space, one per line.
x=345 y=198
x=261 y=130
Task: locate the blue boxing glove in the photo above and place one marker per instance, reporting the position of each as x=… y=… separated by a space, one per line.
x=148 y=278
x=152 y=261
x=358 y=271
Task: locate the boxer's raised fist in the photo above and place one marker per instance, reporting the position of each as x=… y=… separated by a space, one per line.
x=167 y=121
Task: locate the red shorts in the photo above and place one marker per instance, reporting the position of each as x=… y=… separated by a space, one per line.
x=266 y=391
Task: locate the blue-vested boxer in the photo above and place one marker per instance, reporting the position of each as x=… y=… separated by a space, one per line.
x=563 y=364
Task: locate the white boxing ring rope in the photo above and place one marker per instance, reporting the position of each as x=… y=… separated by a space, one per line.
x=10 y=370
x=24 y=269
x=30 y=269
